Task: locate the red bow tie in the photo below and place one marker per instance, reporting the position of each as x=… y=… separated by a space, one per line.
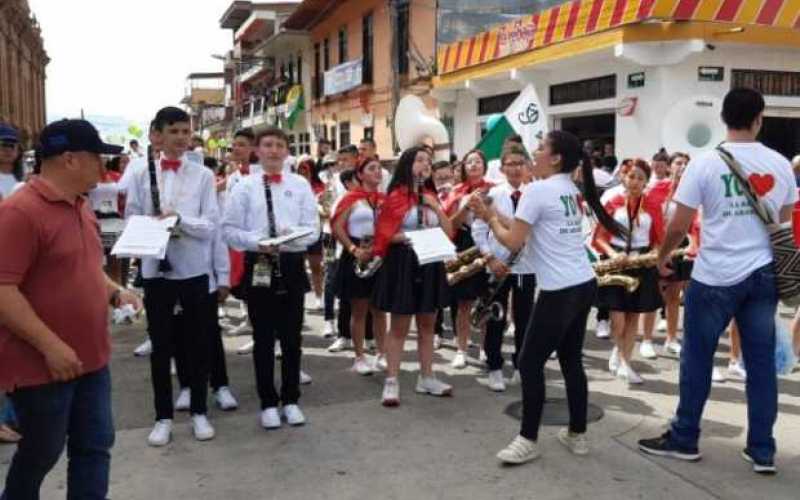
x=245 y=169
x=516 y=195
x=173 y=165
x=273 y=178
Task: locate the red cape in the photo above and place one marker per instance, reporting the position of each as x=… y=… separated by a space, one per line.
x=660 y=191
x=391 y=215
x=352 y=197
x=649 y=205
x=452 y=201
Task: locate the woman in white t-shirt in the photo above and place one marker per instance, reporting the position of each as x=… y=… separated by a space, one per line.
x=549 y=219
x=10 y=162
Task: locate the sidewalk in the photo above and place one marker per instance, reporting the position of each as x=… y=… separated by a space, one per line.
x=432 y=448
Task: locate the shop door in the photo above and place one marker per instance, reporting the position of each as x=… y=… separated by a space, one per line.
x=782 y=135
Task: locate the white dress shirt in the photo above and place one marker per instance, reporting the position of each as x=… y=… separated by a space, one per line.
x=8 y=184
x=485 y=239
x=191 y=194
x=295 y=206
x=220 y=275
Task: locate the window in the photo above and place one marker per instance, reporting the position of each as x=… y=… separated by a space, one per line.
x=299 y=69
x=343 y=45
x=369 y=133
x=332 y=138
x=402 y=38
x=344 y=134
x=781 y=83
x=496 y=103
x=292 y=148
x=303 y=146
x=366 y=44
x=317 y=87
x=291 y=72
x=326 y=49
x=592 y=89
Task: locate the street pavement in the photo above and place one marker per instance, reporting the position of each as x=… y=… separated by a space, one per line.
x=432 y=448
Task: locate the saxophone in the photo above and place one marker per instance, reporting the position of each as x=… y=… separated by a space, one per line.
x=487 y=306
x=609 y=271
x=366 y=270
x=629 y=282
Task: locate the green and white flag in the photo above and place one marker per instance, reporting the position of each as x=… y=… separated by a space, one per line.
x=295 y=104
x=525 y=117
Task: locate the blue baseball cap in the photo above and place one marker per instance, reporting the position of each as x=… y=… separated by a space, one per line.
x=73 y=135
x=8 y=133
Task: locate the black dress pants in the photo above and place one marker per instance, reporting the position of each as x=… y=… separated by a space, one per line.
x=558 y=324
x=217 y=364
x=160 y=297
x=523 y=289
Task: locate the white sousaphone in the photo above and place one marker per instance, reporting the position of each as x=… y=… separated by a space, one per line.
x=412 y=126
x=693 y=125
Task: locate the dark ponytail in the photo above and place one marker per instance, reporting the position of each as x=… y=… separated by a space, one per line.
x=572 y=155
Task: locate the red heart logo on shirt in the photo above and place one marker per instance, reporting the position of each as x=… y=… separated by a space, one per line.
x=761 y=184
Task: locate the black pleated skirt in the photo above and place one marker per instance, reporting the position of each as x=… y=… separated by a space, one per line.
x=347 y=285
x=646 y=298
x=402 y=286
x=472 y=287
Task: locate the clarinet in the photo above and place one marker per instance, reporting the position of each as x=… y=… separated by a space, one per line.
x=420 y=182
x=163 y=265
x=280 y=285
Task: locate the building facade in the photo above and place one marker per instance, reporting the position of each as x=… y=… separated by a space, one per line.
x=363 y=56
x=638 y=74
x=22 y=70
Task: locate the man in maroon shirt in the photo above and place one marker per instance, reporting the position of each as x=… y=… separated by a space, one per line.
x=54 y=296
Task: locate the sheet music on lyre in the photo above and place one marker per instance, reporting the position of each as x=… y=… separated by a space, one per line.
x=144 y=236
x=286 y=238
x=431 y=245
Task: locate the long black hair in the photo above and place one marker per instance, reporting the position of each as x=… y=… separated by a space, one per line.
x=404 y=171
x=572 y=155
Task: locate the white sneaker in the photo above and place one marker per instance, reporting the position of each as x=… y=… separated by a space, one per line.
x=576 y=443
x=247 y=348
x=515 y=379
x=646 y=350
x=433 y=386
x=270 y=418
x=496 y=381
x=317 y=304
x=161 y=433
x=380 y=363
x=184 y=401
x=362 y=366
x=225 y=399
x=340 y=345
x=672 y=347
x=437 y=342
x=628 y=374
x=613 y=361
x=520 y=450
x=202 y=429
x=603 y=329
x=736 y=370
x=717 y=375
x=662 y=325
x=459 y=360
x=329 y=330
x=391 y=392
x=144 y=349
x=305 y=378
x=293 y=415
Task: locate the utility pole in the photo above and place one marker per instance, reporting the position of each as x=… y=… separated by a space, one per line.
x=393 y=22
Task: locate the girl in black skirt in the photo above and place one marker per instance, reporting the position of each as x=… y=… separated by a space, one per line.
x=642 y=217
x=467 y=291
x=403 y=288
x=673 y=285
x=353 y=225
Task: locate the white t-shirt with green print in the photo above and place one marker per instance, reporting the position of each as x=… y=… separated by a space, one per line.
x=733 y=240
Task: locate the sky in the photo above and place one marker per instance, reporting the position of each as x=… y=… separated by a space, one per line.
x=126 y=59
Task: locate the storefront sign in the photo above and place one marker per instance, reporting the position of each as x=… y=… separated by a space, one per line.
x=636 y=80
x=710 y=73
x=516 y=36
x=343 y=77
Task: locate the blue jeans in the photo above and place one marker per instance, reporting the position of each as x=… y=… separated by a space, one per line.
x=7 y=415
x=77 y=413
x=708 y=311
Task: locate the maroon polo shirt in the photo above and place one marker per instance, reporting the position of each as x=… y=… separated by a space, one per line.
x=50 y=249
